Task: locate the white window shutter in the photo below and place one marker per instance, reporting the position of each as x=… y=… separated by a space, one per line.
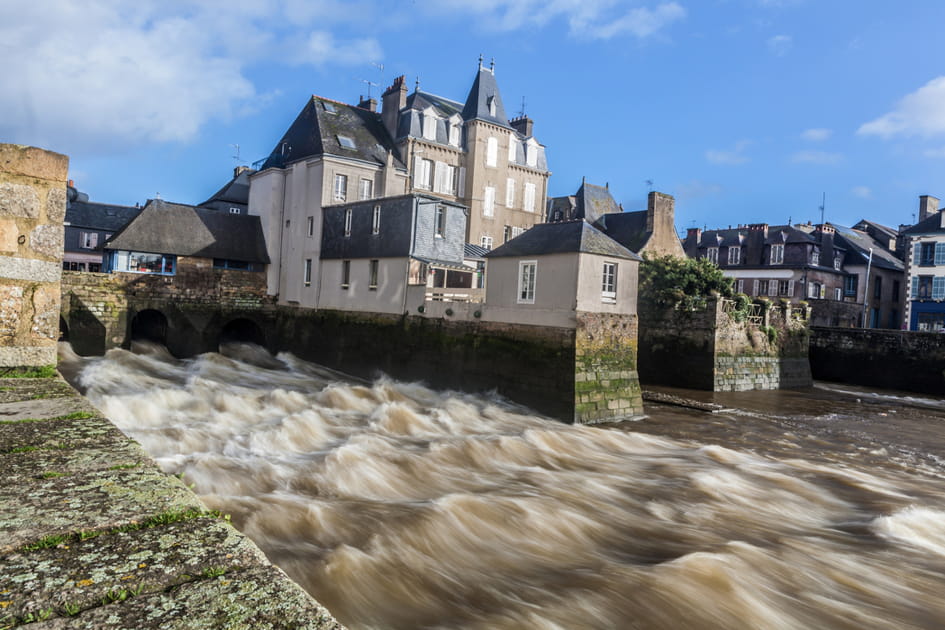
x=512 y=144
x=462 y=181
x=940 y=253
x=915 y=287
x=917 y=253
x=439 y=171
x=417 y=169
x=790 y=288
x=509 y=192
x=772 y=288
x=740 y=285
x=823 y=292
x=529 y=202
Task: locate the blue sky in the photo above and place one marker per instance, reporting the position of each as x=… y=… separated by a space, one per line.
x=744 y=110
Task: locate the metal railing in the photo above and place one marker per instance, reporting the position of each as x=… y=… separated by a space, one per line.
x=455 y=295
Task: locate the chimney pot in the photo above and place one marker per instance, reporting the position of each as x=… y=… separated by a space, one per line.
x=928 y=205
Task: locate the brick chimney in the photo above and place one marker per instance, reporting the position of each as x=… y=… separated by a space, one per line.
x=393 y=100
x=368 y=103
x=826 y=234
x=524 y=125
x=928 y=205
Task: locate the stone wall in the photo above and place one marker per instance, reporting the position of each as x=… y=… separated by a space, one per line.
x=32 y=209
x=712 y=350
x=607 y=385
x=888 y=359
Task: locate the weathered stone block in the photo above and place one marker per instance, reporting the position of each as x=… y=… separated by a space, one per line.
x=19 y=200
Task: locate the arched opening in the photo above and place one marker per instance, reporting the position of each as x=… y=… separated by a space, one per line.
x=242 y=330
x=149 y=325
x=63 y=330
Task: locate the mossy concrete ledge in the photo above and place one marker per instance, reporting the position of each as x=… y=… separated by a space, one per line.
x=94 y=535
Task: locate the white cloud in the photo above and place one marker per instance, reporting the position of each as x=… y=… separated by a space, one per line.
x=780 y=45
x=863 y=192
x=822 y=158
x=816 y=134
x=586 y=19
x=731 y=156
x=101 y=74
x=920 y=113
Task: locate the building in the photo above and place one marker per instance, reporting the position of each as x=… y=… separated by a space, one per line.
x=925 y=268
x=87 y=226
x=471 y=153
x=374 y=251
x=651 y=231
x=165 y=238
x=875 y=279
x=554 y=271
x=233 y=197
x=464 y=153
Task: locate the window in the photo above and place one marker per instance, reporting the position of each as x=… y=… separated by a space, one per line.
x=925 y=254
x=529 y=204
x=816 y=290
x=329 y=107
x=440 y=222
x=874 y=318
x=734 y=255
x=836 y=294
x=308 y=271
x=372 y=275
x=242 y=265
x=921 y=287
x=346 y=142
x=376 y=220
x=444 y=178
x=786 y=288
x=88 y=240
x=310 y=227
x=877 y=287
x=454 y=133
x=348 y=222
x=762 y=287
x=815 y=256
x=740 y=285
x=938 y=288
x=509 y=192
x=429 y=125
x=234 y=210
x=424 y=174
x=492 y=149
x=512 y=145
x=485 y=242
x=777 y=254
x=712 y=254
x=609 y=283
x=895 y=293
x=341 y=187
x=849 y=286
x=490 y=103
x=527 y=272
x=531 y=153
x=488 y=202
x=838 y=261
x=365 y=189
x=345 y=273
x=140 y=262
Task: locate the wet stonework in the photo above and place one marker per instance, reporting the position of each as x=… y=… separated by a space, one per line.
x=94 y=535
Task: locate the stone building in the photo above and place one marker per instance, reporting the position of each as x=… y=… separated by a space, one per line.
x=651 y=231
x=88 y=225
x=925 y=264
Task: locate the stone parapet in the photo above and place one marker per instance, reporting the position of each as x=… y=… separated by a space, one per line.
x=32 y=209
x=607 y=386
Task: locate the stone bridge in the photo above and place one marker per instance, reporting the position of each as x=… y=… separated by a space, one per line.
x=190 y=313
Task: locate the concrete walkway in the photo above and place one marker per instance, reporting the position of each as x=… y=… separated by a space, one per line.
x=94 y=535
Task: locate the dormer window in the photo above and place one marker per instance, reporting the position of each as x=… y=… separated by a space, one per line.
x=428 y=124
x=454 y=130
x=531 y=153
x=346 y=142
x=490 y=103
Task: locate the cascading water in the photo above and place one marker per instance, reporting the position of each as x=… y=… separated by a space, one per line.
x=398 y=506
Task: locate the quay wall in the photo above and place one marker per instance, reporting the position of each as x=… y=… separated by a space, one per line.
x=887 y=359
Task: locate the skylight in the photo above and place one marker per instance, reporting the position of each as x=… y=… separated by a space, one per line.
x=346 y=142
x=329 y=107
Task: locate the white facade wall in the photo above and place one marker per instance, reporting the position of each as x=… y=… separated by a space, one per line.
x=555 y=291
x=590 y=284
x=388 y=297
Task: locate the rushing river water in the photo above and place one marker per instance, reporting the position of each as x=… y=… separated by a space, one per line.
x=398 y=506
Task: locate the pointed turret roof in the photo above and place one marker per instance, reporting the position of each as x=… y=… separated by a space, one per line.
x=484 y=101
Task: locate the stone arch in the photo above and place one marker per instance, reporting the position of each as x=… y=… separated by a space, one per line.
x=149 y=325
x=244 y=330
x=63 y=329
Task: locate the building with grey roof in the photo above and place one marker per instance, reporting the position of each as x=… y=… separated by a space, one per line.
x=925 y=268
x=87 y=226
x=233 y=197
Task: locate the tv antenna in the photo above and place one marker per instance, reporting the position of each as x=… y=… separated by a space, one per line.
x=649 y=185
x=522 y=113
x=237 y=156
x=370 y=84
x=823 y=207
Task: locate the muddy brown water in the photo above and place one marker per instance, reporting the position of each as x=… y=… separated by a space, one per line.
x=398 y=506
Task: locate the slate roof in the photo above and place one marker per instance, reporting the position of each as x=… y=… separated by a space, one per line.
x=929 y=225
x=858 y=249
x=422 y=100
x=627 y=228
x=474 y=252
x=316 y=129
x=483 y=89
x=99 y=216
x=776 y=234
x=235 y=191
x=879 y=227
x=562 y=237
x=171 y=228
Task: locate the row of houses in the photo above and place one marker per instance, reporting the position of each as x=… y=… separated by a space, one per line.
x=359 y=209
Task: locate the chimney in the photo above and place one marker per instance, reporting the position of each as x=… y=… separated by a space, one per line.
x=368 y=103
x=928 y=205
x=826 y=232
x=524 y=125
x=239 y=170
x=393 y=100
x=759 y=227
x=693 y=235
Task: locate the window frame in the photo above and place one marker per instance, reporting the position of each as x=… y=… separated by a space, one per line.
x=608 y=292
x=492 y=151
x=307 y=272
x=376 y=220
x=712 y=254
x=345 y=274
x=779 y=258
x=361 y=188
x=340 y=189
x=373 y=267
x=439 y=221
x=737 y=257
x=310 y=227
x=485 y=242
x=527 y=284
x=488 y=201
